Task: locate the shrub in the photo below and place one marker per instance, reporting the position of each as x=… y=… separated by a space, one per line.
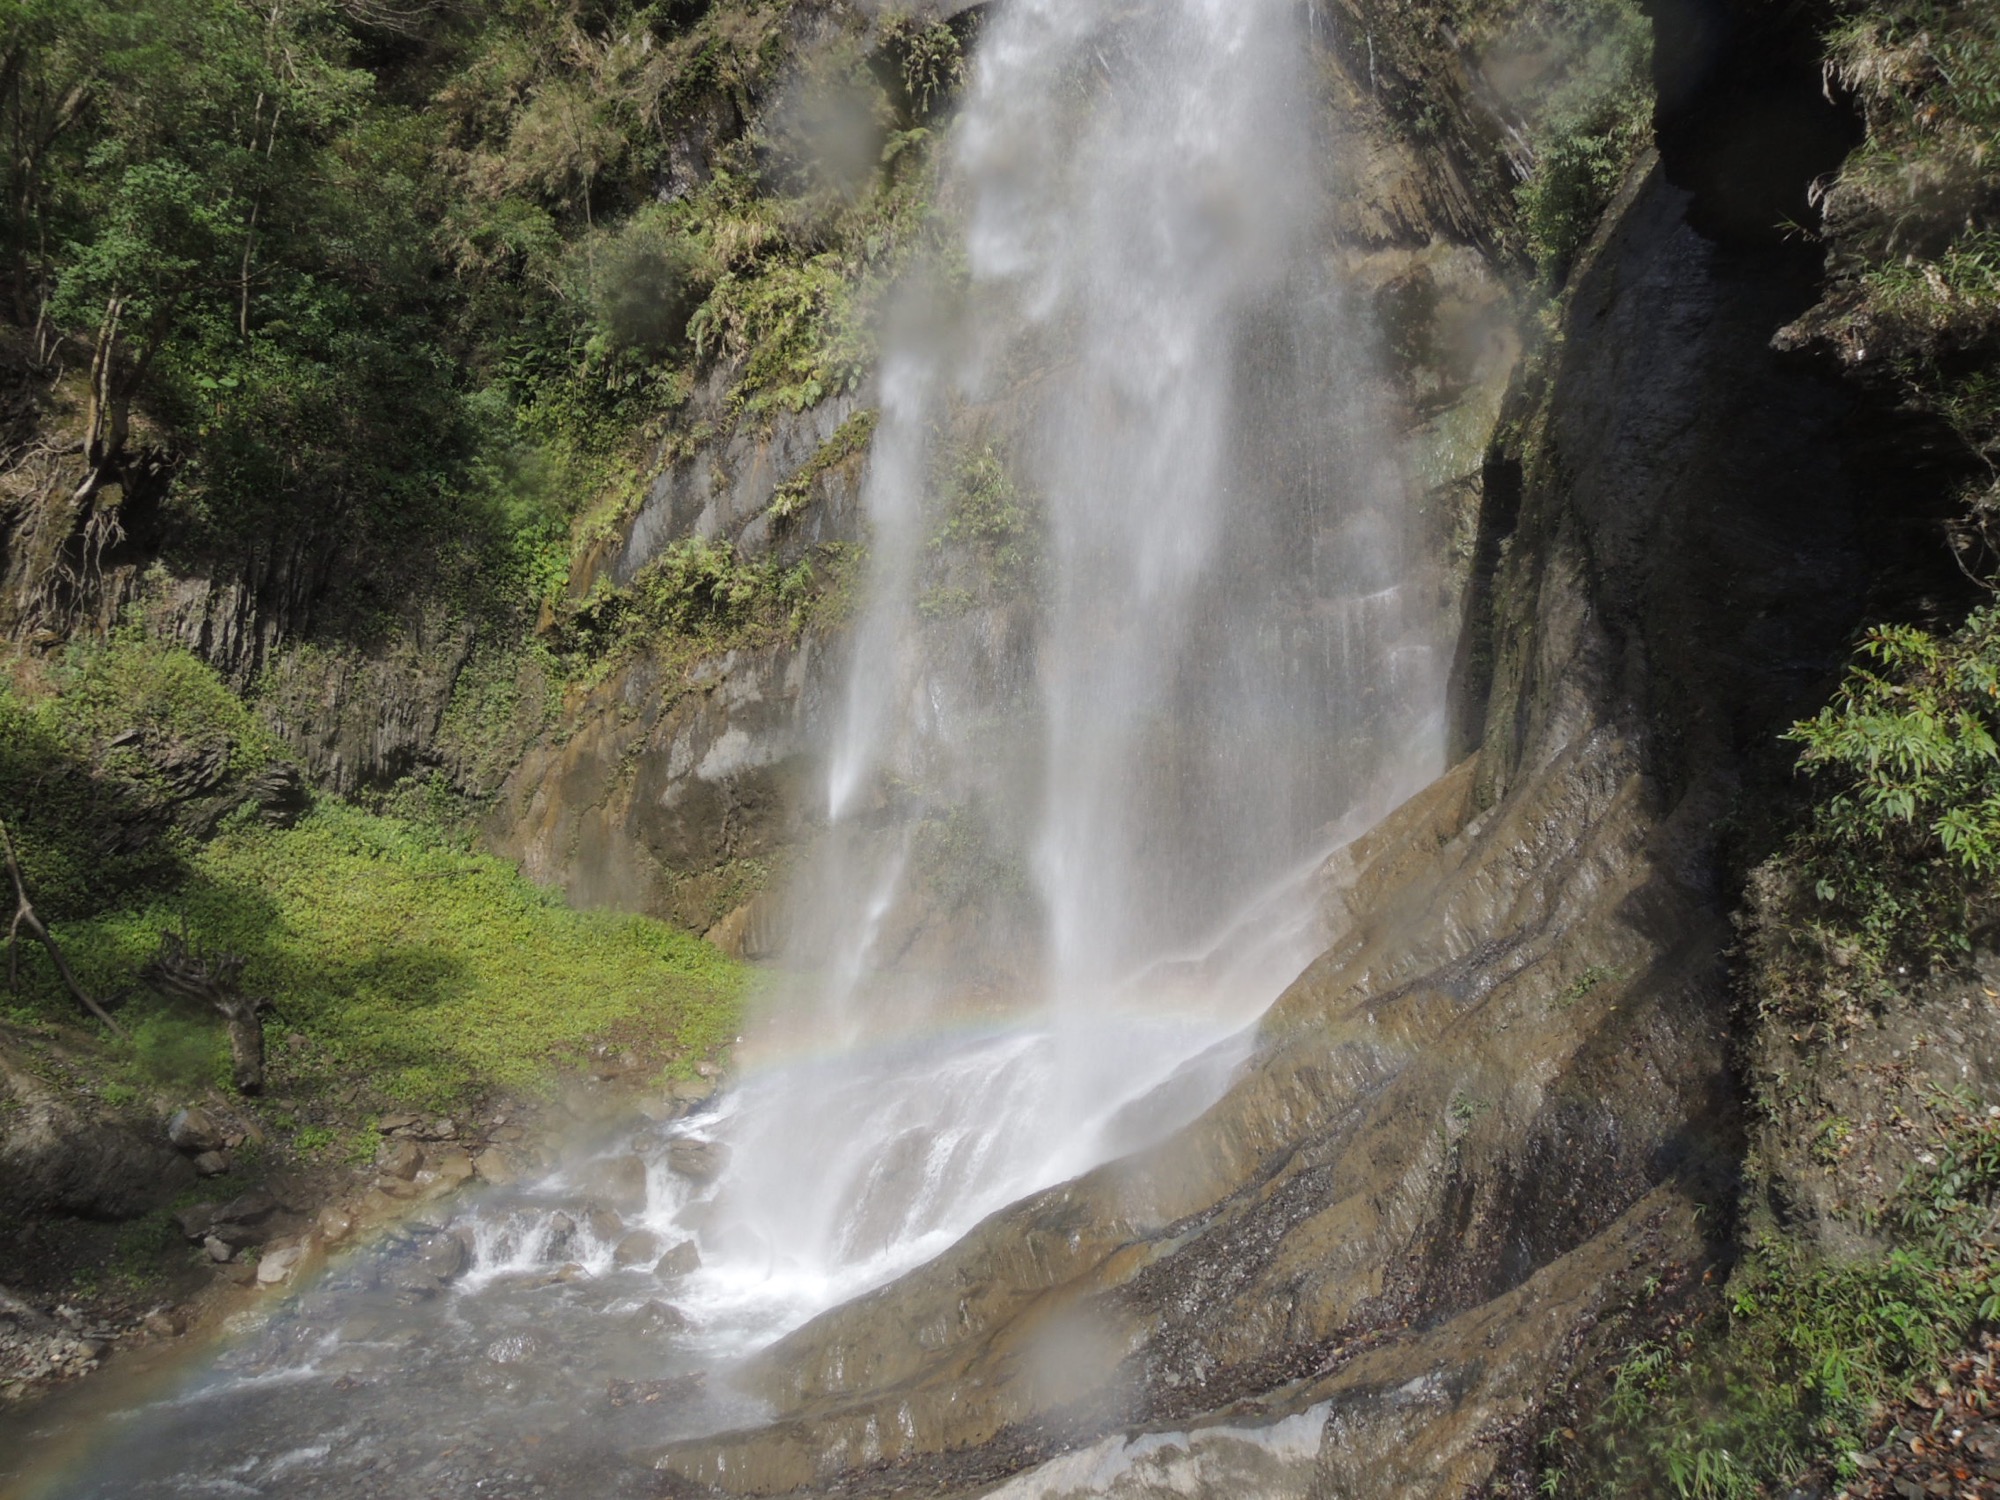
x=1812 y=1348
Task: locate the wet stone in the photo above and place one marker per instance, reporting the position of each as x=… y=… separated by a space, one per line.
x=658 y=1318
x=445 y=1256
x=401 y=1160
x=514 y=1349
x=698 y=1161
x=495 y=1167
x=335 y=1224
x=620 y=1181
x=683 y=1260
x=636 y=1248
x=605 y=1226
x=280 y=1264
x=650 y=1392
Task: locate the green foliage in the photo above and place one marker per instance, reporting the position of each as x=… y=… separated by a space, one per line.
x=1894 y=871
x=697 y=597
x=849 y=440
x=1813 y=1348
x=99 y=779
x=1914 y=215
x=1590 y=123
x=440 y=298
x=986 y=540
x=430 y=973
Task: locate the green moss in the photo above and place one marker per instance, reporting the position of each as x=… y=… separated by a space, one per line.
x=104 y=768
x=986 y=538
x=431 y=974
x=849 y=440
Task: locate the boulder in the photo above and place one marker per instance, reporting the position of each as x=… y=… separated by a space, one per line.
x=698 y=1161
x=253 y=1207
x=195 y=1221
x=691 y=1090
x=636 y=1248
x=496 y=1167
x=335 y=1224
x=279 y=1264
x=211 y=1164
x=218 y=1251
x=445 y=1256
x=195 y=1131
x=682 y=1260
x=451 y=1166
x=401 y=1160
x=605 y=1226
x=657 y=1318
x=619 y=1180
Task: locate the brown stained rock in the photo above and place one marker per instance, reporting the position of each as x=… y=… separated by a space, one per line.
x=636 y=1248
x=698 y=1161
x=334 y=1224
x=684 y=1259
x=451 y=1166
x=401 y=1159
x=196 y=1131
x=279 y=1264
x=497 y=1167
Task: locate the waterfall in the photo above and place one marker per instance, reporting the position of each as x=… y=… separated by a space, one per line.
x=1145 y=633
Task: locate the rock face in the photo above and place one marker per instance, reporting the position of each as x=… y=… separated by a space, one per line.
x=58 y=1155
x=1505 y=1091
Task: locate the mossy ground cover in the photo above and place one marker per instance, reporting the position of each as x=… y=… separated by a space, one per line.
x=432 y=974
x=400 y=965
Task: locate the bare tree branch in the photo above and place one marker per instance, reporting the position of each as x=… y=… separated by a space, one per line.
x=24 y=916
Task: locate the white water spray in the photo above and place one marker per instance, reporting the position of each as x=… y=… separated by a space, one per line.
x=1145 y=634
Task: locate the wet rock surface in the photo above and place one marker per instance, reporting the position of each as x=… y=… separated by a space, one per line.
x=1508 y=1081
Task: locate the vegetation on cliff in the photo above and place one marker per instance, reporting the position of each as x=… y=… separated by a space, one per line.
x=1867 y=1261
x=417 y=296
x=383 y=314
x=415 y=970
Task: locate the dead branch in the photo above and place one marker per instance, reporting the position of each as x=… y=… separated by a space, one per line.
x=24 y=916
x=180 y=969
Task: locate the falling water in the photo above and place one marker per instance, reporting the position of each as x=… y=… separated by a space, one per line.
x=1145 y=634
